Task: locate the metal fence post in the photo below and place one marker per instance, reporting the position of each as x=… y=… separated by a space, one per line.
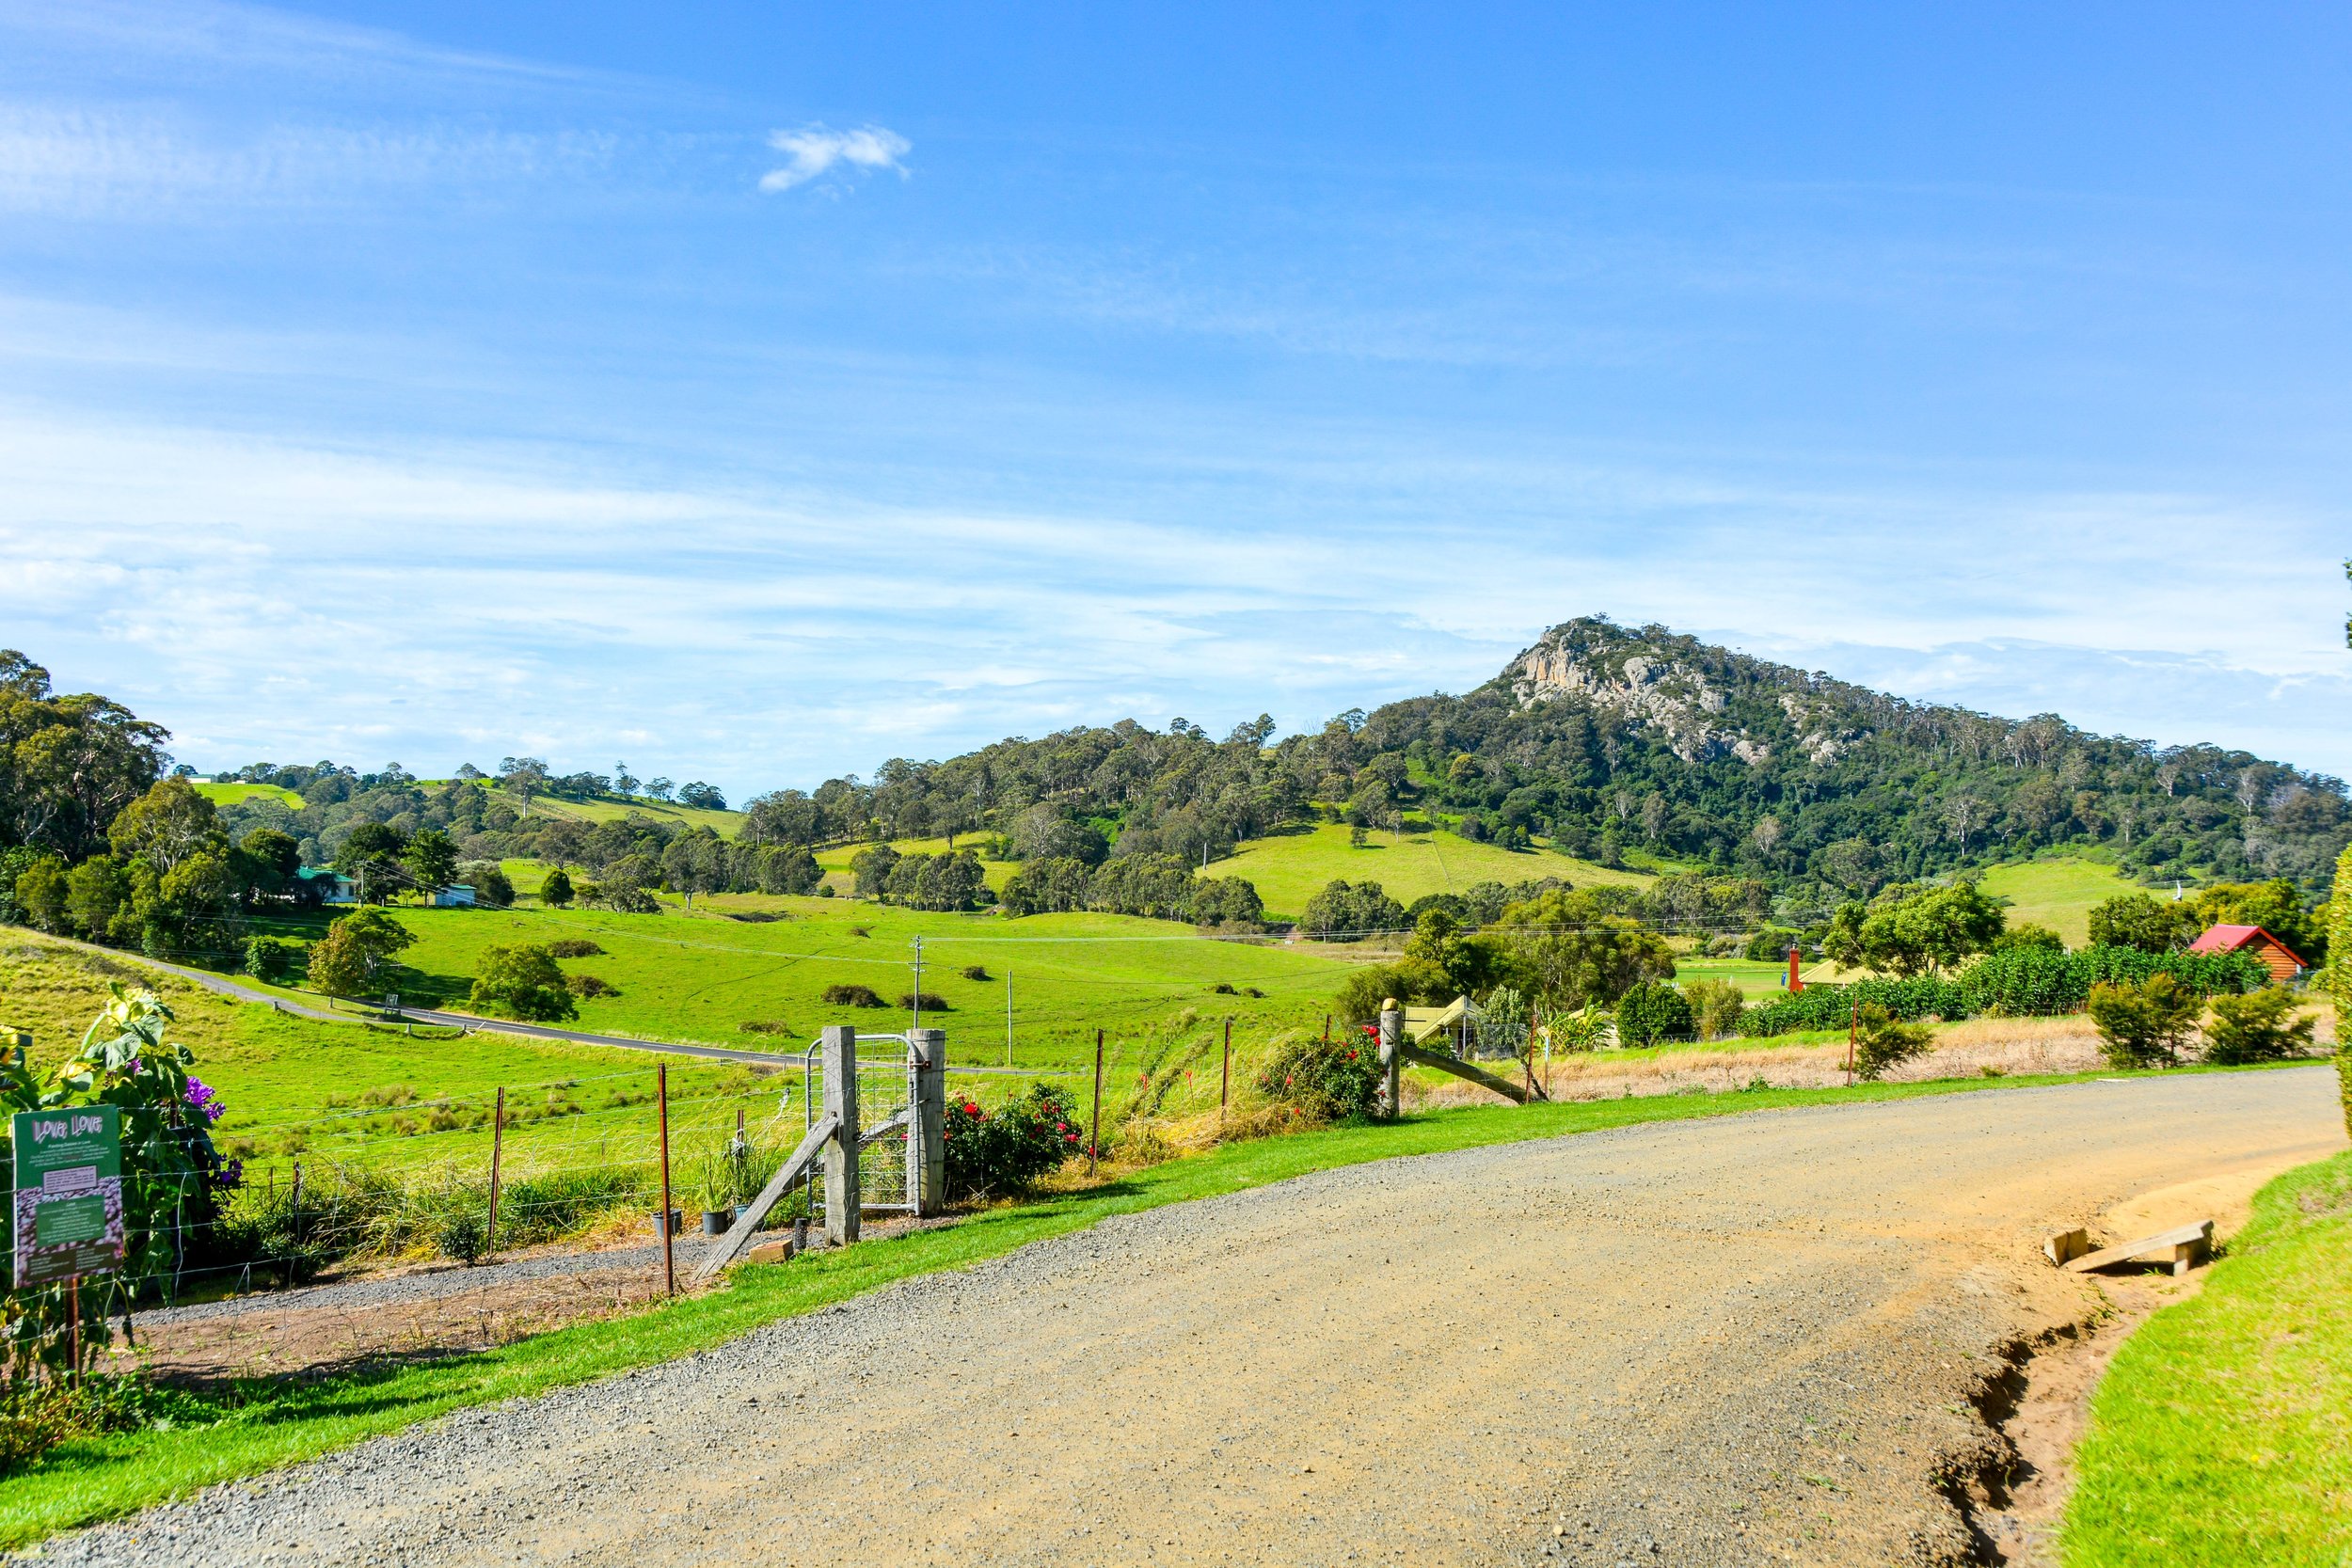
x=927 y=1123
x=842 y=1187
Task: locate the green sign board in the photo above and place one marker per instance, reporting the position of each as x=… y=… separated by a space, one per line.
x=69 y=1193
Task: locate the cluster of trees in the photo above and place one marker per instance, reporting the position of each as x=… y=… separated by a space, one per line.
x=168 y=879
x=1350 y=912
x=945 y=882
x=2166 y=926
x=1162 y=887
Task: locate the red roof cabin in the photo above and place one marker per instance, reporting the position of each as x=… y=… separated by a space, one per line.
x=2274 y=955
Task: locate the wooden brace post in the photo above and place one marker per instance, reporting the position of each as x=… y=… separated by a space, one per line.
x=738 y=1238
x=843 y=1191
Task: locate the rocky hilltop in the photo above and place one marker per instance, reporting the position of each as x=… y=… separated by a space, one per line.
x=1703 y=703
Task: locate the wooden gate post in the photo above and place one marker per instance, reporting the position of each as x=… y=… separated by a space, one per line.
x=927 y=1123
x=1391 y=1056
x=842 y=1188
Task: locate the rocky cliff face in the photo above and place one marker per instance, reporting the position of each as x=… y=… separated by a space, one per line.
x=1705 y=703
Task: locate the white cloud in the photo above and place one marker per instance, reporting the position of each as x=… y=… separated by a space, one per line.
x=816 y=150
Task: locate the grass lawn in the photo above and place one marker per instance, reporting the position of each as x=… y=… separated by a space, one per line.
x=1759 y=981
x=230 y=794
x=1289 y=869
x=2222 y=1432
x=2056 y=893
x=276 y=1424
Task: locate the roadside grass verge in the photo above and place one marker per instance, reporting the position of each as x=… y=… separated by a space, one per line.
x=2222 y=1432
x=268 y=1424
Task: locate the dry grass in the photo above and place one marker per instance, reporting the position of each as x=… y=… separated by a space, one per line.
x=2006 y=1046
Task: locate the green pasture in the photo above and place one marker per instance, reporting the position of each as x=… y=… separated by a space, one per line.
x=1289 y=869
x=723 y=823
x=2222 y=1432
x=702 y=978
x=2056 y=893
x=1759 y=981
x=231 y=793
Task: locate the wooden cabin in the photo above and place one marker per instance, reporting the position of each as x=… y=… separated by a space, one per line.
x=2275 y=956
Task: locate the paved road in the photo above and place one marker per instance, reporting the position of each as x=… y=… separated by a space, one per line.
x=1746 y=1340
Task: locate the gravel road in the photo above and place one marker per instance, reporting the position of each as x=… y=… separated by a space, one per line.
x=1745 y=1341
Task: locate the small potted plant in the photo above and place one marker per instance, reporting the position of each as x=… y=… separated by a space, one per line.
x=714 y=1190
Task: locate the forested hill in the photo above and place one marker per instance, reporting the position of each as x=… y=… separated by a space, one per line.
x=1605 y=739
x=1606 y=742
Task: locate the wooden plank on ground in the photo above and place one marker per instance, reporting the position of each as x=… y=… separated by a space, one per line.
x=2186 y=1245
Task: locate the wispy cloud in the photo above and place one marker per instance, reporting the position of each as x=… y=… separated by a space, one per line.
x=816 y=150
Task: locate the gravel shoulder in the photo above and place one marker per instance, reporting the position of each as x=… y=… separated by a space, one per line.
x=1758 y=1338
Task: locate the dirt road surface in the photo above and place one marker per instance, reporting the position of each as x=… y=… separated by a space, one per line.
x=1745 y=1341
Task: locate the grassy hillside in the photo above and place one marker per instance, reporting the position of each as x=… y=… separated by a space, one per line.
x=231 y=793
x=1290 y=868
x=702 y=977
x=2056 y=893
x=723 y=823
x=340 y=1090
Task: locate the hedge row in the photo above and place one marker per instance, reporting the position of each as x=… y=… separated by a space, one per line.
x=2027 y=982
x=2035 y=982
x=1823 y=1006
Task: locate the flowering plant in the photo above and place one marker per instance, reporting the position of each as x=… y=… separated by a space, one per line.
x=991 y=1153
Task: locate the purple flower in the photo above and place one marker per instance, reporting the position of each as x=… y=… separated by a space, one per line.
x=204 y=1103
x=229 y=1176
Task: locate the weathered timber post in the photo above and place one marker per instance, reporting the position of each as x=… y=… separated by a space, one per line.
x=927 y=1123
x=1392 y=1062
x=842 y=1193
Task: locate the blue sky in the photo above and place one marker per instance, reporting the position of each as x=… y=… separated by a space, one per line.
x=755 y=392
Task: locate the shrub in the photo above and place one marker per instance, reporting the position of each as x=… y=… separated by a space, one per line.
x=1326 y=1079
x=765 y=1026
x=271 y=961
x=492 y=890
x=462 y=1233
x=1650 y=1012
x=556 y=891
x=853 y=996
x=1881 y=1041
x=574 y=947
x=1716 y=1007
x=1006 y=1151
x=523 y=982
x=928 y=1001
x=589 y=985
x=2254 y=1028
x=2143 y=1024
x=976 y=972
